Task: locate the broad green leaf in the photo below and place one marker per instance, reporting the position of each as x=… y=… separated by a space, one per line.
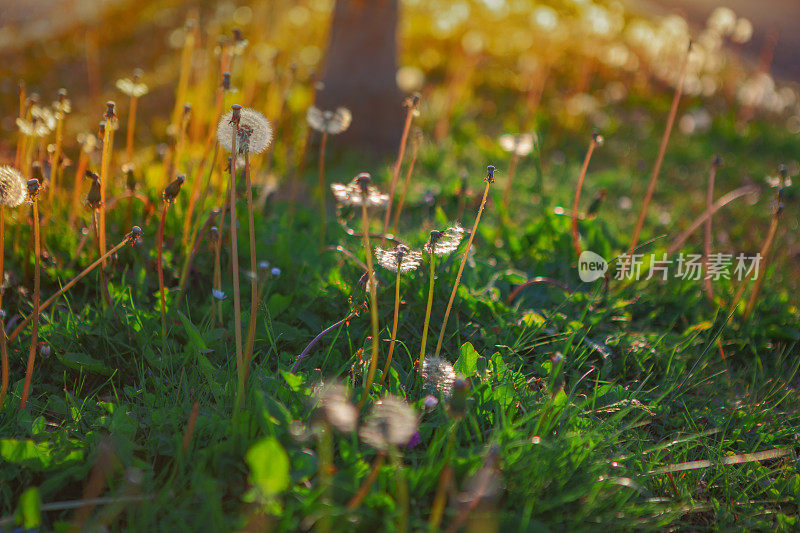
x=467 y=362
x=269 y=466
x=29 y=509
x=194 y=336
x=84 y=361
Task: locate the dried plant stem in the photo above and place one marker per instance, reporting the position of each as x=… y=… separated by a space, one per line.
x=131 y=129
x=237 y=301
x=322 y=204
x=189 y=431
x=394 y=326
x=764 y=253
x=359 y=496
x=719 y=204
x=183 y=80
x=68 y=286
x=35 y=327
x=106 y=297
x=461 y=267
x=3 y=341
x=414 y=151
x=373 y=306
x=707 y=233
x=56 y=165
x=661 y=151
x=576 y=244
x=512 y=170
x=160 y=266
x=251 y=325
x=423 y=346
x=83 y=162
x=397 y=165
x=104 y=176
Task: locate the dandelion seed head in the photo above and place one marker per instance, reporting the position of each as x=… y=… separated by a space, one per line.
x=32 y=128
x=358 y=192
x=335 y=407
x=392 y=422
x=401 y=258
x=520 y=144
x=13 y=188
x=132 y=88
x=445 y=242
x=331 y=122
x=438 y=376
x=253 y=134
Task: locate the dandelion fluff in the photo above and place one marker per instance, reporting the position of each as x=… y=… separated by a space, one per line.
x=331 y=122
x=402 y=258
x=520 y=144
x=438 y=376
x=12 y=187
x=253 y=134
x=392 y=422
x=445 y=242
x=333 y=405
x=353 y=194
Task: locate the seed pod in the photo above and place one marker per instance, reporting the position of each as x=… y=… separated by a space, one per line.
x=172 y=190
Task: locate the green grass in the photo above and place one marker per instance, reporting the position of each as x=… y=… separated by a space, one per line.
x=643 y=425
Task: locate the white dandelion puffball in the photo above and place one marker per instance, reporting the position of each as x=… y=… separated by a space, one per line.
x=520 y=144
x=402 y=258
x=332 y=122
x=253 y=134
x=13 y=187
x=392 y=422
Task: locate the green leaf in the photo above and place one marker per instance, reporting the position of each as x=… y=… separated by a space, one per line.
x=294 y=381
x=269 y=466
x=27 y=452
x=194 y=336
x=467 y=362
x=84 y=361
x=278 y=303
x=29 y=509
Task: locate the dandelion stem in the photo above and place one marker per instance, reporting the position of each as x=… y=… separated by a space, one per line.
x=440 y=498
x=189 y=431
x=707 y=232
x=373 y=304
x=402 y=491
x=661 y=151
x=131 y=128
x=322 y=206
x=512 y=169
x=162 y=297
x=397 y=165
x=409 y=171
x=325 y=454
x=359 y=496
x=3 y=341
x=394 y=325
x=83 y=162
x=461 y=267
x=104 y=167
x=576 y=244
x=237 y=310
x=428 y=307
x=765 y=250
x=35 y=328
x=69 y=285
x=251 y=326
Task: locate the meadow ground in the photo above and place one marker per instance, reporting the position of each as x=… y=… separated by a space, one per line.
x=556 y=404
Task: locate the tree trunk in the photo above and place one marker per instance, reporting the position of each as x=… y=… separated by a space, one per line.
x=360 y=73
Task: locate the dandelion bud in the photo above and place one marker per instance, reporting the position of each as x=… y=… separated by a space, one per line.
x=226 y=81
x=110 y=114
x=101 y=130
x=130 y=179
x=363 y=181
x=717 y=161
x=458 y=399
x=237 y=34
x=489 y=174
x=93 y=199
x=187 y=110
x=172 y=190
x=597 y=139
x=214 y=233
x=134 y=235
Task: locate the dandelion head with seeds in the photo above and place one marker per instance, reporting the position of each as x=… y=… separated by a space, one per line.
x=331 y=122
x=13 y=188
x=392 y=422
x=359 y=191
x=444 y=242
x=401 y=258
x=253 y=133
x=333 y=405
x=520 y=144
x=438 y=376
